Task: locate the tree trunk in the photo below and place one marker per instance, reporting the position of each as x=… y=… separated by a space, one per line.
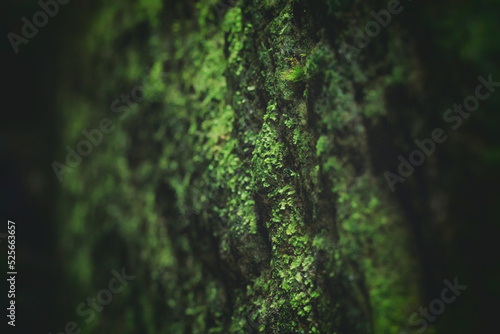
x=243 y=177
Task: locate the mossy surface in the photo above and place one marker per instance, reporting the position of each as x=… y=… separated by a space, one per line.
x=240 y=191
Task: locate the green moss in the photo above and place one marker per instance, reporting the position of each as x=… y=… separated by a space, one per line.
x=321 y=145
x=241 y=185
x=295 y=74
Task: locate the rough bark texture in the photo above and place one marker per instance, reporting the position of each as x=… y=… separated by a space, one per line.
x=246 y=191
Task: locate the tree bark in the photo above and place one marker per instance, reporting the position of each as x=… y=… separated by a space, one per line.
x=246 y=188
